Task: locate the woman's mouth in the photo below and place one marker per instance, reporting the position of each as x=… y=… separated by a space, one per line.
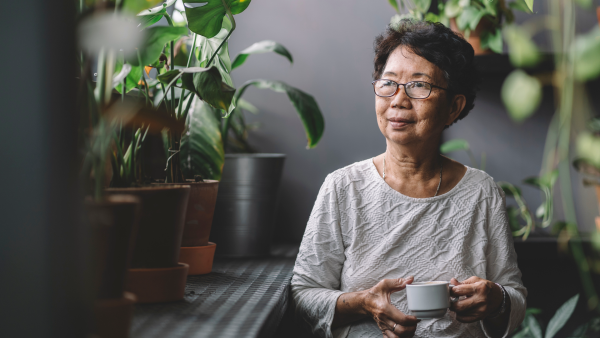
x=398 y=123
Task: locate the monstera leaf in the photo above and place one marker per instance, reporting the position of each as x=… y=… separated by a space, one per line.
x=153 y=15
x=201 y=145
x=132 y=78
x=305 y=105
x=155 y=40
x=206 y=82
x=259 y=48
x=205 y=48
x=207 y=20
x=135 y=6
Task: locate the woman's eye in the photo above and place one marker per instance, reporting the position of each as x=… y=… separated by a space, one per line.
x=419 y=84
x=387 y=84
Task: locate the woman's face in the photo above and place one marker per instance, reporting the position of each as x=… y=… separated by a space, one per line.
x=404 y=120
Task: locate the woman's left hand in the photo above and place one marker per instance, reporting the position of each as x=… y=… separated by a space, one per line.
x=483 y=298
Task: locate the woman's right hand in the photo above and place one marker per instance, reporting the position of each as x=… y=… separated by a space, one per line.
x=377 y=302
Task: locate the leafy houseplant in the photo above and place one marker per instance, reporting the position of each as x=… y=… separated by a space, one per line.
x=480 y=21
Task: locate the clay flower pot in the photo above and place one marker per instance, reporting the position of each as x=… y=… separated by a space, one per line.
x=196 y=251
x=155 y=270
x=113 y=224
x=475 y=36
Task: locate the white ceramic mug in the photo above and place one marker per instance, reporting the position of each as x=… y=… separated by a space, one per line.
x=428 y=300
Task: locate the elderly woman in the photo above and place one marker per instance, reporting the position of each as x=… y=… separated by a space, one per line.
x=411 y=212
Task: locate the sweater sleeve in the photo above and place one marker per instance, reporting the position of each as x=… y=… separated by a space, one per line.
x=502 y=266
x=316 y=279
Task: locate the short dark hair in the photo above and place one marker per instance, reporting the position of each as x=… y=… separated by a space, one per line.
x=437 y=44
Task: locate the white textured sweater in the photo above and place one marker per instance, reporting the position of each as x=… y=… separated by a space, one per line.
x=361 y=231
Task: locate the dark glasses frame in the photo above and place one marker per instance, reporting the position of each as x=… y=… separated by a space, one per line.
x=404 y=84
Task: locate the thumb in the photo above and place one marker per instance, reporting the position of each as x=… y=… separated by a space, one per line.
x=454 y=281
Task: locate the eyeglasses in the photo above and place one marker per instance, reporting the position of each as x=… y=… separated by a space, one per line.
x=414 y=89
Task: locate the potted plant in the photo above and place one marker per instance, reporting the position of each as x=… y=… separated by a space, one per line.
x=249 y=181
x=479 y=21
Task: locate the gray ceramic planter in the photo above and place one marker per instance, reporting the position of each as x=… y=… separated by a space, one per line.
x=244 y=215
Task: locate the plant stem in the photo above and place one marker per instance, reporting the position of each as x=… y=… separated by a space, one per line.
x=225 y=131
x=228 y=35
x=180 y=106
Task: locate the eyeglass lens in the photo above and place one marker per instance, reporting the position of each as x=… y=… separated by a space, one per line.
x=415 y=89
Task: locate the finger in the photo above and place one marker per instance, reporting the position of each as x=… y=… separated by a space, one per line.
x=471 y=280
x=464 y=290
x=396 y=284
x=405 y=331
x=454 y=281
x=464 y=305
x=471 y=318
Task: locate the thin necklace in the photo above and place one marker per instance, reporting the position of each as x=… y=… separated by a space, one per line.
x=439 y=184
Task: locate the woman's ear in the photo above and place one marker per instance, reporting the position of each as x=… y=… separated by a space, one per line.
x=456 y=106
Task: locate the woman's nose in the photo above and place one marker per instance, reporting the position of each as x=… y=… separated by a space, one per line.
x=401 y=99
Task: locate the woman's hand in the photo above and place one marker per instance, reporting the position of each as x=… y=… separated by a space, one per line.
x=482 y=299
x=377 y=302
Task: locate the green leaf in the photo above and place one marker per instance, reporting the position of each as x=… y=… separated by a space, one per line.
x=259 y=48
x=588 y=148
x=522 y=51
x=561 y=316
x=132 y=78
x=520 y=5
x=205 y=48
x=468 y=15
x=201 y=145
x=213 y=90
x=534 y=327
x=207 y=20
x=492 y=40
x=395 y=5
x=155 y=40
x=587 y=49
x=432 y=17
x=513 y=218
x=452 y=9
x=529 y=4
x=305 y=105
x=187 y=79
x=422 y=5
x=521 y=94
x=584 y=3
x=152 y=15
x=454 y=145
x=135 y=6
x=245 y=105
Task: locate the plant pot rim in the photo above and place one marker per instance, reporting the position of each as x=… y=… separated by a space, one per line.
x=256 y=155
x=150 y=188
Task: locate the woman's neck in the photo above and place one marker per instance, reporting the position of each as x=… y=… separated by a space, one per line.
x=412 y=163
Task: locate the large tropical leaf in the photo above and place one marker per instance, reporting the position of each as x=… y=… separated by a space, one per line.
x=259 y=48
x=305 y=105
x=201 y=150
x=561 y=316
x=155 y=40
x=205 y=48
x=135 y=6
x=207 y=20
x=185 y=74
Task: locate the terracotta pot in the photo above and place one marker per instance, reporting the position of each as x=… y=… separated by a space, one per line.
x=113 y=316
x=158 y=285
x=113 y=224
x=200 y=212
x=199 y=258
x=475 y=36
x=161 y=225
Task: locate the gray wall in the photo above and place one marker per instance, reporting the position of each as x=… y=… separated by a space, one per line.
x=331 y=41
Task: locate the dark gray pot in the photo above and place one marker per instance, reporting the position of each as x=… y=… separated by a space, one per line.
x=246 y=202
